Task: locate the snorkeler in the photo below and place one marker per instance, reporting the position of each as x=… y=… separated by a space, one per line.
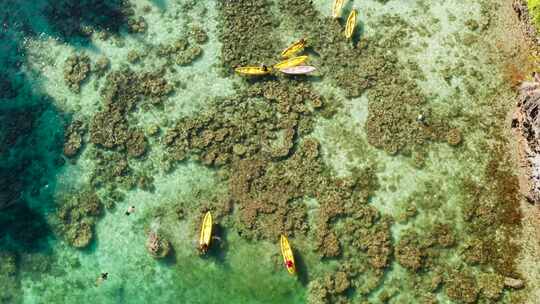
x=130 y=210
x=421 y=119
x=102 y=277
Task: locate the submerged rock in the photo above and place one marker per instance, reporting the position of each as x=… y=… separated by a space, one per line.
x=513 y=283
x=526 y=123
x=79 y=235
x=157 y=246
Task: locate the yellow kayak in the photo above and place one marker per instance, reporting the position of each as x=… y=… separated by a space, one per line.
x=336 y=9
x=294 y=48
x=351 y=24
x=290 y=62
x=253 y=70
x=206 y=233
x=288 y=257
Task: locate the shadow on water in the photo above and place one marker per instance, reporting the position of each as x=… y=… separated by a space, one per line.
x=170 y=259
x=302 y=269
x=358 y=33
x=72 y=20
x=218 y=249
x=31 y=127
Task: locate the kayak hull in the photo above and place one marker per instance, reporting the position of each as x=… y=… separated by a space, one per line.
x=290 y=62
x=299 y=70
x=351 y=24
x=206 y=231
x=294 y=48
x=253 y=70
x=336 y=8
x=288 y=255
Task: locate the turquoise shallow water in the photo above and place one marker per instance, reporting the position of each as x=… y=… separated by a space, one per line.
x=421 y=213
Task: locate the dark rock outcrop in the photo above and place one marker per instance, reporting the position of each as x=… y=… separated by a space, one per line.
x=526 y=122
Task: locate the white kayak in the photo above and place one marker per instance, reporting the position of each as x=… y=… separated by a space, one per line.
x=298 y=70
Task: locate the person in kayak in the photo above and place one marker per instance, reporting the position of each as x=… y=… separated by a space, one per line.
x=204 y=248
x=289 y=264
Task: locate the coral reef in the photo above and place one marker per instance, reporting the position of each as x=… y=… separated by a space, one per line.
x=77 y=216
x=246 y=40
x=188 y=56
x=183 y=51
x=260 y=137
x=409 y=253
x=263 y=212
x=414 y=251
x=73 y=138
x=453 y=137
x=137 y=25
x=488 y=212
x=394 y=98
x=111 y=130
x=76 y=70
x=491 y=285
x=259 y=140
x=101 y=66
x=9 y=279
x=330 y=289
x=133 y=56
x=198 y=34
x=461 y=286
x=237 y=129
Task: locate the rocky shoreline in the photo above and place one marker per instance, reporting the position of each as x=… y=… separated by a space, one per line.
x=525 y=125
x=520 y=7
x=525 y=121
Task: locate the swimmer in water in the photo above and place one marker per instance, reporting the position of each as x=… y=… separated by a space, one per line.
x=102 y=278
x=130 y=210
